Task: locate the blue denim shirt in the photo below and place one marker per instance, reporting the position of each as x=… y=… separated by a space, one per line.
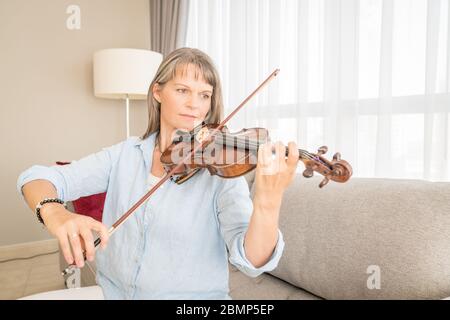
x=177 y=244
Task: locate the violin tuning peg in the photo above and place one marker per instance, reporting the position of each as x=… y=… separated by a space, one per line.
x=322 y=150
x=337 y=156
x=308 y=173
x=324 y=182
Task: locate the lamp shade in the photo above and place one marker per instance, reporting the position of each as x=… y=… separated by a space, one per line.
x=122 y=72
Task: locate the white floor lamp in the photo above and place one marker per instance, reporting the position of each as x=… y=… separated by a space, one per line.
x=122 y=73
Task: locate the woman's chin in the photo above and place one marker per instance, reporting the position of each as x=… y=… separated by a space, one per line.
x=182 y=127
x=188 y=125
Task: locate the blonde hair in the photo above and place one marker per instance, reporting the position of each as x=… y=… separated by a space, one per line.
x=175 y=62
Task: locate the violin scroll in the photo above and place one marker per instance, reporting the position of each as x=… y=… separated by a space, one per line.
x=337 y=170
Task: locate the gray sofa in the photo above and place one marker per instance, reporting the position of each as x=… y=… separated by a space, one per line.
x=365 y=239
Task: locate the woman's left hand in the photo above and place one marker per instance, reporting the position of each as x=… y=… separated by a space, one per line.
x=275 y=172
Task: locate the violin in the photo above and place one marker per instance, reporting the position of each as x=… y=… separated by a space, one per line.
x=230 y=155
x=208 y=145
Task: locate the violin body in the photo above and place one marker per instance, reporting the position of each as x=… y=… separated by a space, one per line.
x=231 y=155
x=218 y=155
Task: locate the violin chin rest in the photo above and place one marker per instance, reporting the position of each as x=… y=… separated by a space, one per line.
x=185 y=177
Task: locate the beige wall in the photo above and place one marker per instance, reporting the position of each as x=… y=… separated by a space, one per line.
x=48 y=111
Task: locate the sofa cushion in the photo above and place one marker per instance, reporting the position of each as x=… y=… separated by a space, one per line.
x=337 y=238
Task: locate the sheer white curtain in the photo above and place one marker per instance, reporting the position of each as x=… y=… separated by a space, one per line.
x=368 y=78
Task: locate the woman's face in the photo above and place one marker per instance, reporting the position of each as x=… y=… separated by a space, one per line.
x=185 y=100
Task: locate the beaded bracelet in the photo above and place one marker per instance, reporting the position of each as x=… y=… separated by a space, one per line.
x=40 y=204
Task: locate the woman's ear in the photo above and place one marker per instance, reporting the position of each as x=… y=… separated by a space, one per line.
x=156 y=92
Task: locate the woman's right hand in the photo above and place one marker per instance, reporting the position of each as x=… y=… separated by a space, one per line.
x=73 y=232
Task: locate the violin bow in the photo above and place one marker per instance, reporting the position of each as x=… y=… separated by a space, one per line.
x=168 y=175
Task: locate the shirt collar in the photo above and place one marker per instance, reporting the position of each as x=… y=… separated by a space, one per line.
x=147 y=146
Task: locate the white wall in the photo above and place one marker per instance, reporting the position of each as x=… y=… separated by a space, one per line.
x=48 y=111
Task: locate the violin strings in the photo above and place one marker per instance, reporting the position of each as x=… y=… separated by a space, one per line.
x=238 y=142
x=255 y=146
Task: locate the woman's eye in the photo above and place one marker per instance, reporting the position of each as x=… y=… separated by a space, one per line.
x=206 y=96
x=181 y=90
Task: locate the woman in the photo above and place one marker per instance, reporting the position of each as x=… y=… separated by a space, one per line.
x=176 y=245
